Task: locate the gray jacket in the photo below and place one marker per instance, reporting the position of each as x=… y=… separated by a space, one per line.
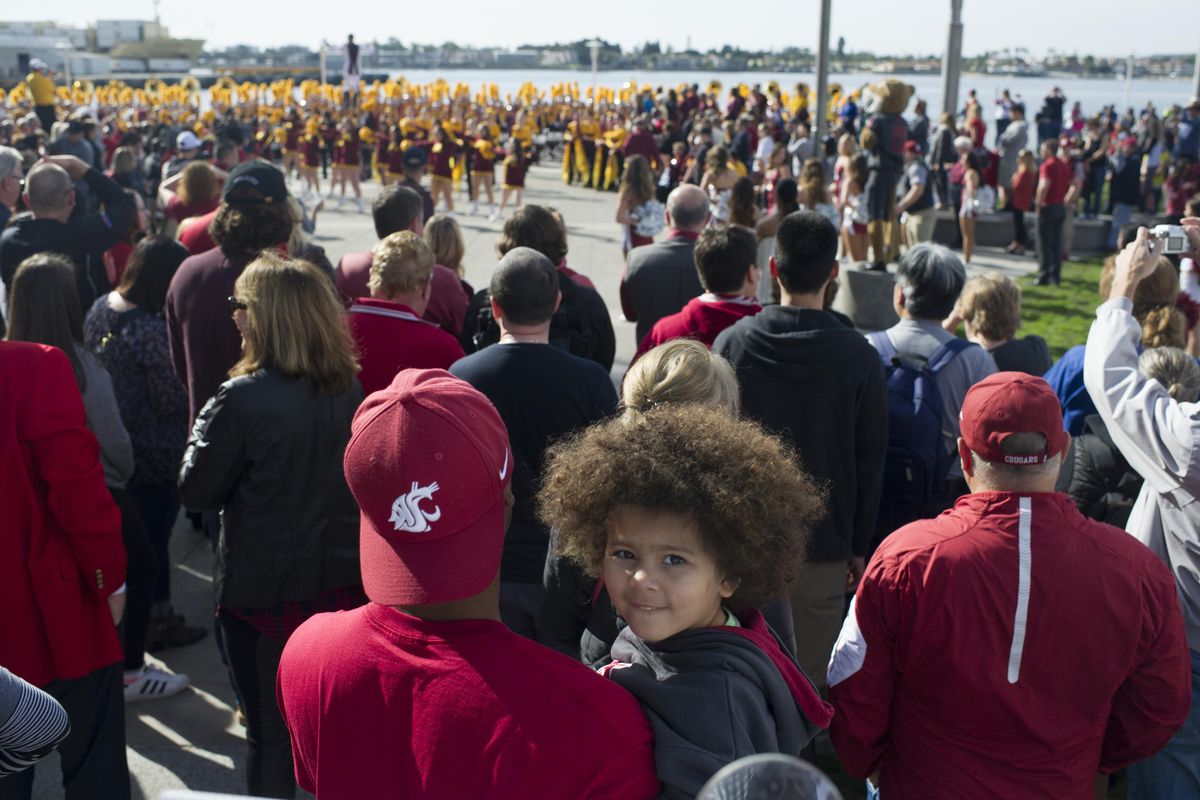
x=104 y=420
x=660 y=280
x=1160 y=438
x=714 y=695
x=1013 y=140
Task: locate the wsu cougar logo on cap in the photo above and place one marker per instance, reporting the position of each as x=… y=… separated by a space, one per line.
x=407 y=514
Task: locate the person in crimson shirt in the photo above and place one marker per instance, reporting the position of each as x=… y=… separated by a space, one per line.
x=204 y=343
x=641 y=143
x=63 y=574
x=726 y=260
x=387 y=326
x=424 y=692
x=400 y=208
x=1054 y=179
x=962 y=669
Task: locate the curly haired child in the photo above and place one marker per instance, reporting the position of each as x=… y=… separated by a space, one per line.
x=663 y=507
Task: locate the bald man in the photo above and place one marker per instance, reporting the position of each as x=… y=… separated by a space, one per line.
x=661 y=278
x=55 y=227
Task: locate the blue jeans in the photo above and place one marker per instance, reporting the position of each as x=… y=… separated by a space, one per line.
x=1122 y=213
x=1174 y=773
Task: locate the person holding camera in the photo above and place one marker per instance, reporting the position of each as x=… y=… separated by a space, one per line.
x=1160 y=438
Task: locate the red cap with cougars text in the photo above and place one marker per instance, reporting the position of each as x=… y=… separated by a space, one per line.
x=1007 y=403
x=428 y=461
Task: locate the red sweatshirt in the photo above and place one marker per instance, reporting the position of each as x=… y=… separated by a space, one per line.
x=702 y=319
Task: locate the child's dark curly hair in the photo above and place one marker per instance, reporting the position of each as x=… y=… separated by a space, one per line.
x=745 y=490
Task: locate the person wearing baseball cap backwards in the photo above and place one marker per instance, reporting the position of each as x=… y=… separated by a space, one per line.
x=253 y=216
x=1010 y=647
x=423 y=692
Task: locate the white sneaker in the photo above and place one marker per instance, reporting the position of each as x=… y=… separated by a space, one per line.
x=474 y=209
x=151 y=683
x=341 y=202
x=495 y=215
x=358 y=202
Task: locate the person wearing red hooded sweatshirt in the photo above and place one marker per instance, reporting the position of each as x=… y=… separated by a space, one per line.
x=726 y=258
x=62 y=578
x=1010 y=647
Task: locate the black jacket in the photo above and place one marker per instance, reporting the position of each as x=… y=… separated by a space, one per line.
x=267 y=451
x=820 y=387
x=83 y=239
x=1097 y=477
x=581 y=326
x=714 y=695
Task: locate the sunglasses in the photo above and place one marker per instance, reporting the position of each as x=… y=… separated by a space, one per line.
x=236 y=305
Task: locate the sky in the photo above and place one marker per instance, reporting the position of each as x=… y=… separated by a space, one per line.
x=881 y=26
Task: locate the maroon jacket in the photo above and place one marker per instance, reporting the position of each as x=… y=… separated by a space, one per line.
x=447 y=301
x=1007 y=648
x=60 y=531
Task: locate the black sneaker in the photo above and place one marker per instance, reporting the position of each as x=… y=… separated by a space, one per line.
x=171 y=631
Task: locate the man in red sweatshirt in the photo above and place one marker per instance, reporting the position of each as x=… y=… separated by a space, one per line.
x=726 y=257
x=1010 y=647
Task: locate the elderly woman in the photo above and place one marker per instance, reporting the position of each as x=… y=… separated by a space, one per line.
x=1160 y=438
x=990 y=310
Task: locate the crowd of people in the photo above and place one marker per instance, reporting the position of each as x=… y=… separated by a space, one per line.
x=439 y=527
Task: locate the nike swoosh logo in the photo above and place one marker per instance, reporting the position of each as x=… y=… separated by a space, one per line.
x=504 y=469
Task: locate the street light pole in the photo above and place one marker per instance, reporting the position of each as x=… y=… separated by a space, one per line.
x=1196 y=77
x=821 y=110
x=594 y=46
x=952 y=61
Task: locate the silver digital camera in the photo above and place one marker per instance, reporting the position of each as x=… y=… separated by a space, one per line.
x=1169 y=240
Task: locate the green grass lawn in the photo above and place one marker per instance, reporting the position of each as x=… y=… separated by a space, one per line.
x=1062 y=314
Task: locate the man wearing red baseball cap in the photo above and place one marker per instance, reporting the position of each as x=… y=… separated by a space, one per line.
x=1010 y=647
x=423 y=692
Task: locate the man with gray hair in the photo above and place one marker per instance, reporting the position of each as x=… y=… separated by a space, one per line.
x=1010 y=647
x=929 y=280
x=50 y=195
x=12 y=174
x=661 y=278
x=543 y=393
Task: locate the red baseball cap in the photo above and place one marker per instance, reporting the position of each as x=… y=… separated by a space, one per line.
x=1007 y=403
x=428 y=462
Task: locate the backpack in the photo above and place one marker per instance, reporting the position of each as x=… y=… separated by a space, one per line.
x=917 y=459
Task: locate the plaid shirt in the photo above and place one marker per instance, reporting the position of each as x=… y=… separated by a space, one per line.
x=280 y=622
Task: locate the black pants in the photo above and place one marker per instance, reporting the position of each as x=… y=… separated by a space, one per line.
x=881 y=196
x=254 y=661
x=93 y=754
x=1019 y=235
x=46 y=116
x=1049 y=233
x=139 y=580
x=158 y=504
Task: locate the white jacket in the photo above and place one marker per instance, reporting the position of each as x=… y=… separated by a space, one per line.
x=1160 y=438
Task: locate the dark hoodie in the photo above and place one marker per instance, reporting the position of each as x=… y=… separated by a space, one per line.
x=714 y=695
x=819 y=386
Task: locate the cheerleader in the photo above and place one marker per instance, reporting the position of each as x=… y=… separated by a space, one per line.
x=310 y=161
x=483 y=170
x=347 y=160
x=293 y=130
x=514 y=176
x=441 y=167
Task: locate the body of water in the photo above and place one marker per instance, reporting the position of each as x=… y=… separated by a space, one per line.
x=1092 y=93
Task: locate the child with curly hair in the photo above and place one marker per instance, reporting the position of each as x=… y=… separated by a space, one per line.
x=663 y=507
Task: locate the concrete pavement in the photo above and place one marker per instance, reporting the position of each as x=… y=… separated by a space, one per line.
x=192 y=740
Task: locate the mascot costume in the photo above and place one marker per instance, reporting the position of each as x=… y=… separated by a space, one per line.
x=883 y=140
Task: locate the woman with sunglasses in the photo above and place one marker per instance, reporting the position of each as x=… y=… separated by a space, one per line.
x=267 y=452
